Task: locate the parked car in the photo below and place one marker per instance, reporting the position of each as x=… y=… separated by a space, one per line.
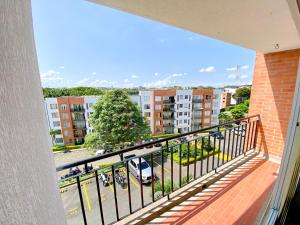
x=100 y=151
x=134 y=168
x=217 y=134
x=72 y=172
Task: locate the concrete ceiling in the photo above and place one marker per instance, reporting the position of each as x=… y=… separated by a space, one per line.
x=261 y=25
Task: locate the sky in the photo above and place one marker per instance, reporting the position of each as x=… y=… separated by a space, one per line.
x=80 y=43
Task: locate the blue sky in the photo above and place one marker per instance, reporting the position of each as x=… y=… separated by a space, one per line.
x=84 y=44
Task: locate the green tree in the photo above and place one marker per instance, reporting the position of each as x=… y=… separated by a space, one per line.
x=52 y=133
x=242 y=93
x=117 y=121
x=225 y=116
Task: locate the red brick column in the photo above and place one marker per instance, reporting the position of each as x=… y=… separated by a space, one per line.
x=273 y=88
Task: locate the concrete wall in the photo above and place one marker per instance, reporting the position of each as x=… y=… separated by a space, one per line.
x=28 y=189
x=272 y=93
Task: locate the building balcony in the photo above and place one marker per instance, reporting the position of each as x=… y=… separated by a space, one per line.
x=197 y=108
x=169 y=101
x=168 y=109
x=197 y=100
x=75 y=127
x=81 y=109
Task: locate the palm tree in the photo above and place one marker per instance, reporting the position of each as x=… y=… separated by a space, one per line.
x=52 y=134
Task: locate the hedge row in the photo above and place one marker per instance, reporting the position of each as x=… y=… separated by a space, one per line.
x=69 y=147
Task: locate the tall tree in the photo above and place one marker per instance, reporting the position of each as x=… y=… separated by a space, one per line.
x=242 y=92
x=117 y=121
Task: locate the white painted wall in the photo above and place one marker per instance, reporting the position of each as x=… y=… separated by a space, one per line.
x=28 y=190
x=186 y=109
x=89 y=101
x=216 y=105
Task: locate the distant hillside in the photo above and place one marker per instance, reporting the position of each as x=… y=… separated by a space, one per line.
x=81 y=91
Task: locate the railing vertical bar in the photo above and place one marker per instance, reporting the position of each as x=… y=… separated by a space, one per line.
x=245 y=137
x=188 y=163
x=242 y=133
x=253 y=133
x=228 y=146
x=141 y=181
x=214 y=150
x=248 y=135
x=238 y=136
x=180 y=150
x=195 y=159
x=256 y=133
x=202 y=150
x=233 y=139
x=128 y=187
x=162 y=173
x=207 y=156
x=99 y=197
x=152 y=177
x=172 y=170
x=224 y=147
x=219 y=146
x=81 y=200
x=115 y=192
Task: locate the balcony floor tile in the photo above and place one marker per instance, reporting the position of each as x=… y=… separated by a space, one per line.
x=235 y=199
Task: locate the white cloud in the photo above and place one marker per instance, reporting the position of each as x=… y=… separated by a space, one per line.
x=94 y=73
x=244 y=76
x=133 y=76
x=61 y=67
x=235 y=68
x=177 y=74
x=207 y=69
x=237 y=76
x=163 y=40
x=231 y=69
x=51 y=75
x=232 y=76
x=168 y=81
x=126 y=81
x=156 y=74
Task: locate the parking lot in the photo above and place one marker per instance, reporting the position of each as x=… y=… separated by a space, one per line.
x=70 y=194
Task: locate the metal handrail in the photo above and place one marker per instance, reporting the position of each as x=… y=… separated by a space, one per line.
x=131 y=148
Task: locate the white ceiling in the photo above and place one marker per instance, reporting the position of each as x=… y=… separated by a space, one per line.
x=256 y=24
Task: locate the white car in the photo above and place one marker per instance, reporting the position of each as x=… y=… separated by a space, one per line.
x=100 y=151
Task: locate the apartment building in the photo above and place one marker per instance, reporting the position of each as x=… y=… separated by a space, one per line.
x=226 y=99
x=69 y=117
x=179 y=111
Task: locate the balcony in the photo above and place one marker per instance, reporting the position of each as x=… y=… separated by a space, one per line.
x=197 y=108
x=76 y=127
x=169 y=101
x=175 y=166
x=77 y=109
x=197 y=100
x=168 y=109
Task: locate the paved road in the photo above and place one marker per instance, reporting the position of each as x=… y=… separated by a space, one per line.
x=89 y=190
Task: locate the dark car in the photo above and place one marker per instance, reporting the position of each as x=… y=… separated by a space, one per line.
x=217 y=134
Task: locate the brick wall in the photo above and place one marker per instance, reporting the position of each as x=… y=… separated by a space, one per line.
x=272 y=97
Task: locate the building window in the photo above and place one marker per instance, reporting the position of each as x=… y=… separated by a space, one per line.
x=180 y=122
x=157 y=123
x=157 y=107
x=58 y=131
x=207 y=113
x=69 y=141
x=207 y=105
x=147 y=106
x=66 y=124
x=146 y=98
x=179 y=106
x=186 y=97
x=53 y=106
x=186 y=105
x=87 y=105
x=207 y=97
x=185 y=121
x=59 y=140
x=63 y=106
x=180 y=113
x=206 y=120
x=56 y=123
x=54 y=115
x=147 y=114
x=65 y=115
x=157 y=98
x=66 y=133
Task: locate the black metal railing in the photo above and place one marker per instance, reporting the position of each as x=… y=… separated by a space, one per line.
x=172 y=163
